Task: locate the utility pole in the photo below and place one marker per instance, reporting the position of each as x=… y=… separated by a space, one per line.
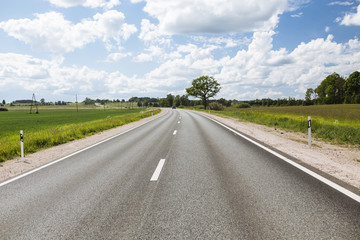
x=33 y=101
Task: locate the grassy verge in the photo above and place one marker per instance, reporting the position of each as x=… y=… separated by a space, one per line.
x=335 y=123
x=43 y=137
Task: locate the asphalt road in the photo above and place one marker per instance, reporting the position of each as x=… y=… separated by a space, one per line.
x=213 y=185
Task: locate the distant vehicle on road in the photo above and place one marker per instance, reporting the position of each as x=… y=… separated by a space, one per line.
x=173 y=107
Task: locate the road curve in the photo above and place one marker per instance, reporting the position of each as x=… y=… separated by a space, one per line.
x=210 y=184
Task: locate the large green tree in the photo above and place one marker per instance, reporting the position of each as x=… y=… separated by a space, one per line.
x=352 y=88
x=204 y=88
x=331 y=90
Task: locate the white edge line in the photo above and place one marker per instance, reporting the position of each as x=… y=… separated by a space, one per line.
x=175 y=132
x=302 y=168
x=158 y=169
x=72 y=154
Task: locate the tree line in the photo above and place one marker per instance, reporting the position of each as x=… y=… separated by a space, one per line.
x=42 y=102
x=335 y=89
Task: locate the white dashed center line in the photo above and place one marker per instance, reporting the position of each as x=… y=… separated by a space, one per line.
x=175 y=132
x=157 y=172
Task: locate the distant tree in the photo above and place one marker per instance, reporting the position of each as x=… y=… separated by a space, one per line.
x=139 y=104
x=331 y=90
x=22 y=101
x=153 y=100
x=3 y=102
x=164 y=102
x=89 y=101
x=292 y=101
x=60 y=103
x=170 y=100
x=352 y=88
x=204 y=87
x=42 y=101
x=177 y=101
x=308 y=96
x=184 y=100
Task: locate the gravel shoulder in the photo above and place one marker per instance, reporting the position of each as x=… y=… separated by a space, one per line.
x=340 y=162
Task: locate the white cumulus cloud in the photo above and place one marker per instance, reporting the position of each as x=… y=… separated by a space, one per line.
x=52 y=32
x=352 y=18
x=43 y=76
x=116 y=56
x=150 y=33
x=210 y=16
x=260 y=67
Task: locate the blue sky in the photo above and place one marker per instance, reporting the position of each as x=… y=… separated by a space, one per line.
x=117 y=49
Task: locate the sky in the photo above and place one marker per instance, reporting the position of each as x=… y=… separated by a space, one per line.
x=118 y=49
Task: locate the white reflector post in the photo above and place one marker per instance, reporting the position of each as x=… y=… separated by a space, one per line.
x=22 y=145
x=309 y=130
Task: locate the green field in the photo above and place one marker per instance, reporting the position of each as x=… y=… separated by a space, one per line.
x=53 y=127
x=338 y=124
x=13 y=121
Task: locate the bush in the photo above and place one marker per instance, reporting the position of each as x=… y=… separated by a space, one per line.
x=198 y=107
x=216 y=106
x=3 y=109
x=243 y=105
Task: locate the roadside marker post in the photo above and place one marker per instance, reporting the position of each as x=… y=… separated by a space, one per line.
x=309 y=130
x=22 y=144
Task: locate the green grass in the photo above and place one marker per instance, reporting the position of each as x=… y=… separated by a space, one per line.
x=13 y=121
x=54 y=127
x=336 y=123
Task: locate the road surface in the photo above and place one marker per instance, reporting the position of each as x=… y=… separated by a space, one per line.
x=180 y=176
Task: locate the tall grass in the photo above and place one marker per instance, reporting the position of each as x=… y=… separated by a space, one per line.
x=335 y=123
x=36 y=140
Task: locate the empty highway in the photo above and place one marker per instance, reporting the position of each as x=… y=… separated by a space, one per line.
x=180 y=176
